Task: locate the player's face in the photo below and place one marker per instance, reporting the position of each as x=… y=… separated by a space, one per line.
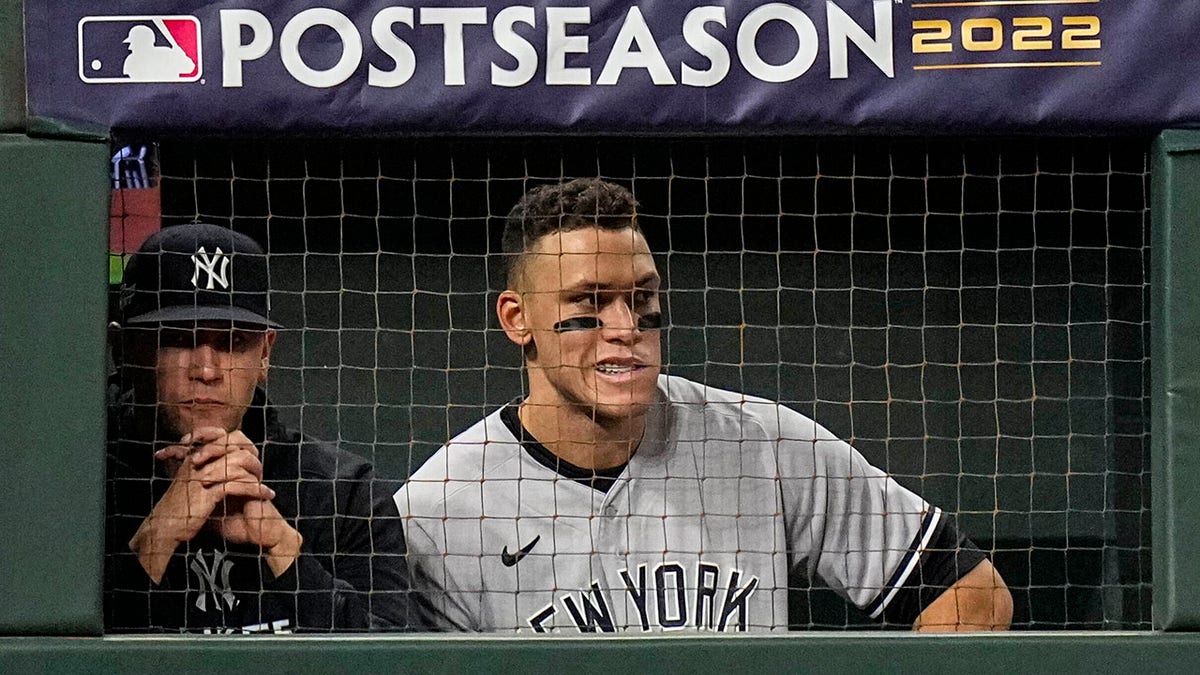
x=602 y=364
x=206 y=375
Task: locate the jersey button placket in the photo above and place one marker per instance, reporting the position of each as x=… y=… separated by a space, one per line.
x=612 y=522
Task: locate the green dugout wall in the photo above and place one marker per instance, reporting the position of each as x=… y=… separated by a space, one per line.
x=1175 y=377
x=52 y=314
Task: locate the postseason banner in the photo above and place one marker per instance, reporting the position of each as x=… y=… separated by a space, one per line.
x=614 y=66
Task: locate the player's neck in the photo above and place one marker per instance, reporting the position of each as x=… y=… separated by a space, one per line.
x=578 y=437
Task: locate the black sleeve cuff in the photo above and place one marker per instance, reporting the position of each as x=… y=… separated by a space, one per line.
x=943 y=560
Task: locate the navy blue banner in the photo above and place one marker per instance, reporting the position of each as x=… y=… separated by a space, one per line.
x=615 y=66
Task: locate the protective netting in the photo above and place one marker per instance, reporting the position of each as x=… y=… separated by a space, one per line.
x=972 y=316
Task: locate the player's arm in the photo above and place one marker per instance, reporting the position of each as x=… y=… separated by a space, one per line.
x=212 y=467
x=978 y=601
x=439 y=598
x=884 y=548
x=254 y=520
x=371 y=584
x=349 y=574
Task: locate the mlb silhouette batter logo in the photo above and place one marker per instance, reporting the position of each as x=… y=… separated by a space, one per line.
x=139 y=49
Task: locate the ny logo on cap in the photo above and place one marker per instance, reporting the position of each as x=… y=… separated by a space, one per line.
x=208 y=264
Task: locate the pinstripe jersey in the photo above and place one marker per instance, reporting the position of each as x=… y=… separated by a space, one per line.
x=725 y=495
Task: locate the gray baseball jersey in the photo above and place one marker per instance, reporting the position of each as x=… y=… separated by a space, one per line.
x=725 y=496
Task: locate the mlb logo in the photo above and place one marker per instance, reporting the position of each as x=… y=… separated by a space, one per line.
x=139 y=49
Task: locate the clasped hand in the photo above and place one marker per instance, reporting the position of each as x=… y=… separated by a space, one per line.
x=217 y=484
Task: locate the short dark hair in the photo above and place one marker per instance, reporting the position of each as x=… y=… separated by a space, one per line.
x=563 y=207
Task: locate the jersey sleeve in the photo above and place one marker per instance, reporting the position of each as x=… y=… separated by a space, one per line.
x=872 y=540
x=442 y=597
x=941 y=557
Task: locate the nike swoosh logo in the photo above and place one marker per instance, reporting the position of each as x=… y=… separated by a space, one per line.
x=510 y=559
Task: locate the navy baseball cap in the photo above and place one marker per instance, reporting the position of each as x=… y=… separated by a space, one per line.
x=196 y=272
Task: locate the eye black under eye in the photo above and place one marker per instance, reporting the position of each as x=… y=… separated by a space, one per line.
x=651 y=321
x=577 y=323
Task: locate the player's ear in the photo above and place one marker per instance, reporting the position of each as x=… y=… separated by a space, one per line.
x=267 y=343
x=510 y=309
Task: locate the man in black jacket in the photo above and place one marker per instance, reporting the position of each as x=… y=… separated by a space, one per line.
x=219 y=518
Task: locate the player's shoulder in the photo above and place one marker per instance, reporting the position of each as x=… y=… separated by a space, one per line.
x=485 y=450
x=682 y=391
x=323 y=460
x=470 y=454
x=693 y=402
x=291 y=455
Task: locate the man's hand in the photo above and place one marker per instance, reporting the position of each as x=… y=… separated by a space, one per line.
x=257 y=521
x=215 y=468
x=978 y=601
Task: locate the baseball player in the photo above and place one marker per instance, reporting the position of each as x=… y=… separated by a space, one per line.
x=616 y=498
x=220 y=519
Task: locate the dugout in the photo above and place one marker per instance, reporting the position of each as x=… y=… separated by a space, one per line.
x=1061 y=278
x=970 y=314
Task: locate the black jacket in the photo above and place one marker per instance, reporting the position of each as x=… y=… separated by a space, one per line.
x=350 y=576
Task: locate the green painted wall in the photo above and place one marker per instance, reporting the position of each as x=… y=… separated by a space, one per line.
x=53 y=210
x=1175 y=377
x=1030 y=653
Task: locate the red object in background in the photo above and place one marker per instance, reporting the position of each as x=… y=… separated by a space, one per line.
x=133 y=215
